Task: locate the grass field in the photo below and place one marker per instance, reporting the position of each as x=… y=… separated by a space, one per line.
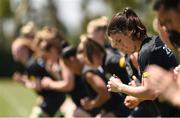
x=15 y=100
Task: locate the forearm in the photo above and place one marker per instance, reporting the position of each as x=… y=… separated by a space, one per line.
x=99 y=100
x=60 y=86
x=28 y=83
x=139 y=91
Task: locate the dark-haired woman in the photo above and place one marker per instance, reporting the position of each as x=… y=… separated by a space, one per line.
x=127 y=33
x=89 y=92
x=107 y=63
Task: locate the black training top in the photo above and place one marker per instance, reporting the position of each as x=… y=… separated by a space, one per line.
x=111 y=65
x=91 y=92
x=36 y=67
x=79 y=91
x=116 y=102
x=131 y=70
x=36 y=70
x=153 y=51
x=112 y=104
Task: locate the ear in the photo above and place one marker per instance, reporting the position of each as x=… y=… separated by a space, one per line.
x=72 y=58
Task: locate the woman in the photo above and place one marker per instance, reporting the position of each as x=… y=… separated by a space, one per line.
x=51 y=100
x=89 y=92
x=106 y=63
x=126 y=32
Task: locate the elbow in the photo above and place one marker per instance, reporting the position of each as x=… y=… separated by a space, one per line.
x=152 y=95
x=68 y=87
x=103 y=98
x=106 y=96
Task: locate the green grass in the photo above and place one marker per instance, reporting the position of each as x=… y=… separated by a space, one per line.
x=15 y=100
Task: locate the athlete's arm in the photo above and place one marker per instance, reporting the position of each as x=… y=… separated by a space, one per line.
x=141 y=92
x=99 y=86
x=64 y=85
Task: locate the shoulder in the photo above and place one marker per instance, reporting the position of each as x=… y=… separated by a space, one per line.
x=150 y=44
x=159 y=48
x=87 y=69
x=32 y=65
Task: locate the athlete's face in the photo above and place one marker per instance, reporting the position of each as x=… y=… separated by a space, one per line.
x=170 y=19
x=123 y=41
x=50 y=55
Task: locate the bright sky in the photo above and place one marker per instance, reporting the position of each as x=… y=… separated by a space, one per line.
x=70 y=11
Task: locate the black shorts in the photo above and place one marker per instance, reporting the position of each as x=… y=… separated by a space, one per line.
x=51 y=105
x=116 y=105
x=167 y=110
x=146 y=109
x=93 y=112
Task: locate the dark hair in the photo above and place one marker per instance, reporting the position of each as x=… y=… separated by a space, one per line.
x=127 y=21
x=167 y=4
x=90 y=47
x=46 y=45
x=53 y=33
x=68 y=52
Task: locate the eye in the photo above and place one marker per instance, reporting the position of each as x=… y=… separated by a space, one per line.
x=118 y=40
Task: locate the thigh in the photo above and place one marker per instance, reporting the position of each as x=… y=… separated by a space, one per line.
x=78 y=112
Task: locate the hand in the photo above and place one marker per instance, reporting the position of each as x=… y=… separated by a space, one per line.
x=87 y=103
x=134 y=82
x=114 y=84
x=46 y=82
x=131 y=102
x=17 y=77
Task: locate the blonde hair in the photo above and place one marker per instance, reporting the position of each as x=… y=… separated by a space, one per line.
x=28 y=30
x=50 y=35
x=96 y=23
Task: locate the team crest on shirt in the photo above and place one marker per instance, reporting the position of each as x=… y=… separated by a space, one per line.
x=168 y=51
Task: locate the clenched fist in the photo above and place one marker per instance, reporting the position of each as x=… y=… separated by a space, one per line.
x=114 y=84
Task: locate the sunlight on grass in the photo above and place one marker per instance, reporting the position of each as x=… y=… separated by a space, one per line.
x=15 y=100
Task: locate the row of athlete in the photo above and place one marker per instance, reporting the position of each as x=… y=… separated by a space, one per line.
x=53 y=69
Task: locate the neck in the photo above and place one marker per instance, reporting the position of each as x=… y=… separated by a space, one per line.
x=79 y=68
x=138 y=44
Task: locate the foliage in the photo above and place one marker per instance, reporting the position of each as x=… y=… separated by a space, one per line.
x=22 y=11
